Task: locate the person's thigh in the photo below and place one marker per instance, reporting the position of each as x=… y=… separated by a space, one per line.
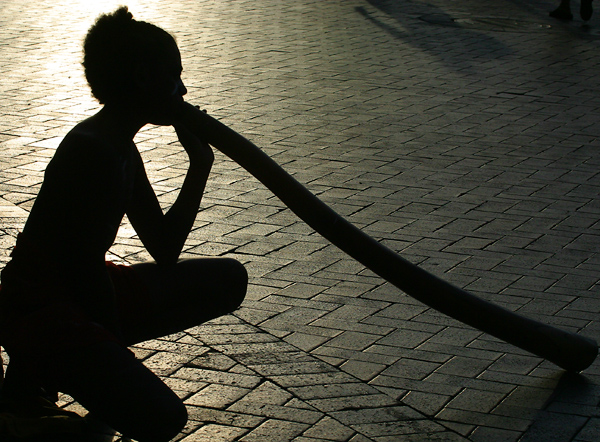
x=184 y=295
x=118 y=390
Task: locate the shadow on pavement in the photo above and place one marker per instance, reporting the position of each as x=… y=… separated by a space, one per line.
x=557 y=422
x=409 y=28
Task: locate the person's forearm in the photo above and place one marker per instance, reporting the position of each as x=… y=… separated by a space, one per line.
x=177 y=223
x=179 y=219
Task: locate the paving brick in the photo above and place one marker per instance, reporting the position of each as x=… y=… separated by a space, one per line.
x=553 y=426
x=362 y=370
x=223 y=417
x=360 y=438
x=481 y=434
x=212 y=360
x=482 y=419
x=329 y=429
x=528 y=397
x=353 y=340
x=388 y=431
x=282 y=430
x=214 y=432
x=459 y=366
x=405 y=338
x=283 y=413
x=409 y=369
x=305 y=341
x=589 y=432
x=476 y=400
x=309 y=439
x=165 y=363
x=334 y=390
x=452 y=381
x=217 y=377
x=269 y=393
x=446 y=436
x=428 y=403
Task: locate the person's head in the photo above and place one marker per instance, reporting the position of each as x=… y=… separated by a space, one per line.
x=127 y=60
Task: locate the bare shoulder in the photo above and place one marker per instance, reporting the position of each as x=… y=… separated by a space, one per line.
x=84 y=146
x=83 y=137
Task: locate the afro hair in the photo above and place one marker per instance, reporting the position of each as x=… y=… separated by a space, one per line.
x=113 y=49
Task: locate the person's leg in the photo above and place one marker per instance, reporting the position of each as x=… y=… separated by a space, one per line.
x=118 y=390
x=563 y=12
x=586 y=10
x=18 y=382
x=183 y=296
x=106 y=379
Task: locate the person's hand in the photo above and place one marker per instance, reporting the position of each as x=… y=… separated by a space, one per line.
x=188 y=115
x=196 y=148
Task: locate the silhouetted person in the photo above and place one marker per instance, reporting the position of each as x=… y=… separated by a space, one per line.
x=66 y=316
x=563 y=12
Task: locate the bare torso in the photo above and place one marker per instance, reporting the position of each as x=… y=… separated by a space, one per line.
x=87 y=188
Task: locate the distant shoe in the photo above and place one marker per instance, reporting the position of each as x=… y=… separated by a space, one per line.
x=586 y=10
x=562 y=14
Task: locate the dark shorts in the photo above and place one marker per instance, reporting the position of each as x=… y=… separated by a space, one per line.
x=63 y=326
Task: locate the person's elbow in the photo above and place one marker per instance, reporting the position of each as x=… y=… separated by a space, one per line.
x=166 y=256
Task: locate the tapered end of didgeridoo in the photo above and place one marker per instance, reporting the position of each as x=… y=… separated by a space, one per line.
x=570 y=351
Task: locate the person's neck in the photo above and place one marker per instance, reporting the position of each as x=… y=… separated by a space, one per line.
x=121 y=120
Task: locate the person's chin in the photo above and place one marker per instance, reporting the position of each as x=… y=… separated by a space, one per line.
x=163 y=118
x=168 y=115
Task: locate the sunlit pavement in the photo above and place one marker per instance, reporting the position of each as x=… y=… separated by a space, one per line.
x=463 y=135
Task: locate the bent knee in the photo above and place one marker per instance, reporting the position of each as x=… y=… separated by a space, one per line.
x=238 y=283
x=164 y=425
x=175 y=422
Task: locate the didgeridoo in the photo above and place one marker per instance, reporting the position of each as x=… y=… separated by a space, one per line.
x=568 y=350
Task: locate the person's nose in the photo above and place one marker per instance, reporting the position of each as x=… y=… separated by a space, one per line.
x=182 y=89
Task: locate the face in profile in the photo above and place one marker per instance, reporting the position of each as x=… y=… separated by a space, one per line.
x=160 y=87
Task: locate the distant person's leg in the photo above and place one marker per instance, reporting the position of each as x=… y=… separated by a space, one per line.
x=586 y=10
x=563 y=12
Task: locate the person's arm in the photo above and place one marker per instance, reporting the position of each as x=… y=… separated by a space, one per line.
x=164 y=235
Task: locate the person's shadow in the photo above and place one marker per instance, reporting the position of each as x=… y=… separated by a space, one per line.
x=449 y=48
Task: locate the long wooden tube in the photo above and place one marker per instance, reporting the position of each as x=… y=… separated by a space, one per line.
x=568 y=350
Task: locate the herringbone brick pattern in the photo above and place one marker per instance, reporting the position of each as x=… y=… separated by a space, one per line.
x=463 y=135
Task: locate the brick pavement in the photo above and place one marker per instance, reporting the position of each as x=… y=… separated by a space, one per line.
x=464 y=135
